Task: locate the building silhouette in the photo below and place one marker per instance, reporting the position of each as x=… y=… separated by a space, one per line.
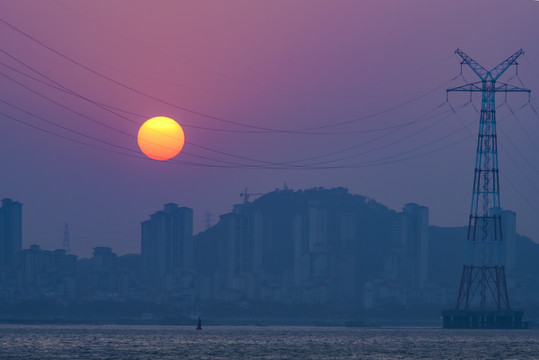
x=10 y=234
x=103 y=279
x=416 y=239
x=406 y=269
x=314 y=255
x=309 y=252
x=44 y=273
x=241 y=241
x=167 y=247
x=330 y=240
x=509 y=235
x=292 y=247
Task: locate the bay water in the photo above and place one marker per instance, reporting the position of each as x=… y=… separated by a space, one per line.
x=261 y=342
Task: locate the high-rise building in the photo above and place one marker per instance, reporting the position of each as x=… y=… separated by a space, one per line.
x=417 y=244
x=242 y=237
x=313 y=259
x=406 y=268
x=10 y=234
x=326 y=244
x=167 y=245
x=104 y=260
x=47 y=272
x=506 y=255
x=509 y=237
x=103 y=280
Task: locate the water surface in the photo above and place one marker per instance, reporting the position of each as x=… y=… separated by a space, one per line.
x=272 y=342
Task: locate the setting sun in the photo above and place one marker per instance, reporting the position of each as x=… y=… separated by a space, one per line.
x=161 y=138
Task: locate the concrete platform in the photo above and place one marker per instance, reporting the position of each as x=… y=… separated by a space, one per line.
x=477 y=319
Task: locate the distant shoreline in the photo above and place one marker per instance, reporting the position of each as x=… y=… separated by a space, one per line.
x=223 y=322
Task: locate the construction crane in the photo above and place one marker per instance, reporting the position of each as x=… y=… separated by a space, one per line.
x=245 y=195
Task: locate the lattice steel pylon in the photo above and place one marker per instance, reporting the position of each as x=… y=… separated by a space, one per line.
x=483 y=284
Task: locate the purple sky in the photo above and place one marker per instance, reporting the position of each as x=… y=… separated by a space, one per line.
x=287 y=65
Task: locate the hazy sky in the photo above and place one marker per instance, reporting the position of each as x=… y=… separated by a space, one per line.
x=230 y=70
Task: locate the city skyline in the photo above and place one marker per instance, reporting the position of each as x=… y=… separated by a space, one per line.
x=315 y=246
x=260 y=89
x=509 y=224
x=291 y=178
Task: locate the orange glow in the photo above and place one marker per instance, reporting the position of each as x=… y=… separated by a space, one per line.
x=161 y=138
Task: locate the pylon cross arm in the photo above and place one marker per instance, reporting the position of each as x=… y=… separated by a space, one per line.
x=477 y=87
x=500 y=69
x=503 y=87
x=474 y=87
x=493 y=74
x=474 y=65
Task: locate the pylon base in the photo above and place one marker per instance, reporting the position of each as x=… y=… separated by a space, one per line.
x=477 y=319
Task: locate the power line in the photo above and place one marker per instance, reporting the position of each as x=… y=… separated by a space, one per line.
x=206 y=148
x=195 y=112
x=435 y=141
x=62 y=88
x=533 y=185
x=200 y=146
x=530 y=204
x=124 y=133
x=285 y=92
x=98 y=139
x=389 y=144
x=118 y=83
x=519 y=123
x=365 y=117
x=64 y=106
x=156 y=50
x=231 y=166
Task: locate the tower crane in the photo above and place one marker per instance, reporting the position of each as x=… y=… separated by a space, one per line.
x=245 y=195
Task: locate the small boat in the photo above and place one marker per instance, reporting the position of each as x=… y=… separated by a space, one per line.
x=199 y=324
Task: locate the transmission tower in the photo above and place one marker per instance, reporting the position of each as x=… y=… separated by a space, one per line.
x=483 y=300
x=66 y=238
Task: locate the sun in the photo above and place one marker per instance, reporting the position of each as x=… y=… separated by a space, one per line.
x=161 y=138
